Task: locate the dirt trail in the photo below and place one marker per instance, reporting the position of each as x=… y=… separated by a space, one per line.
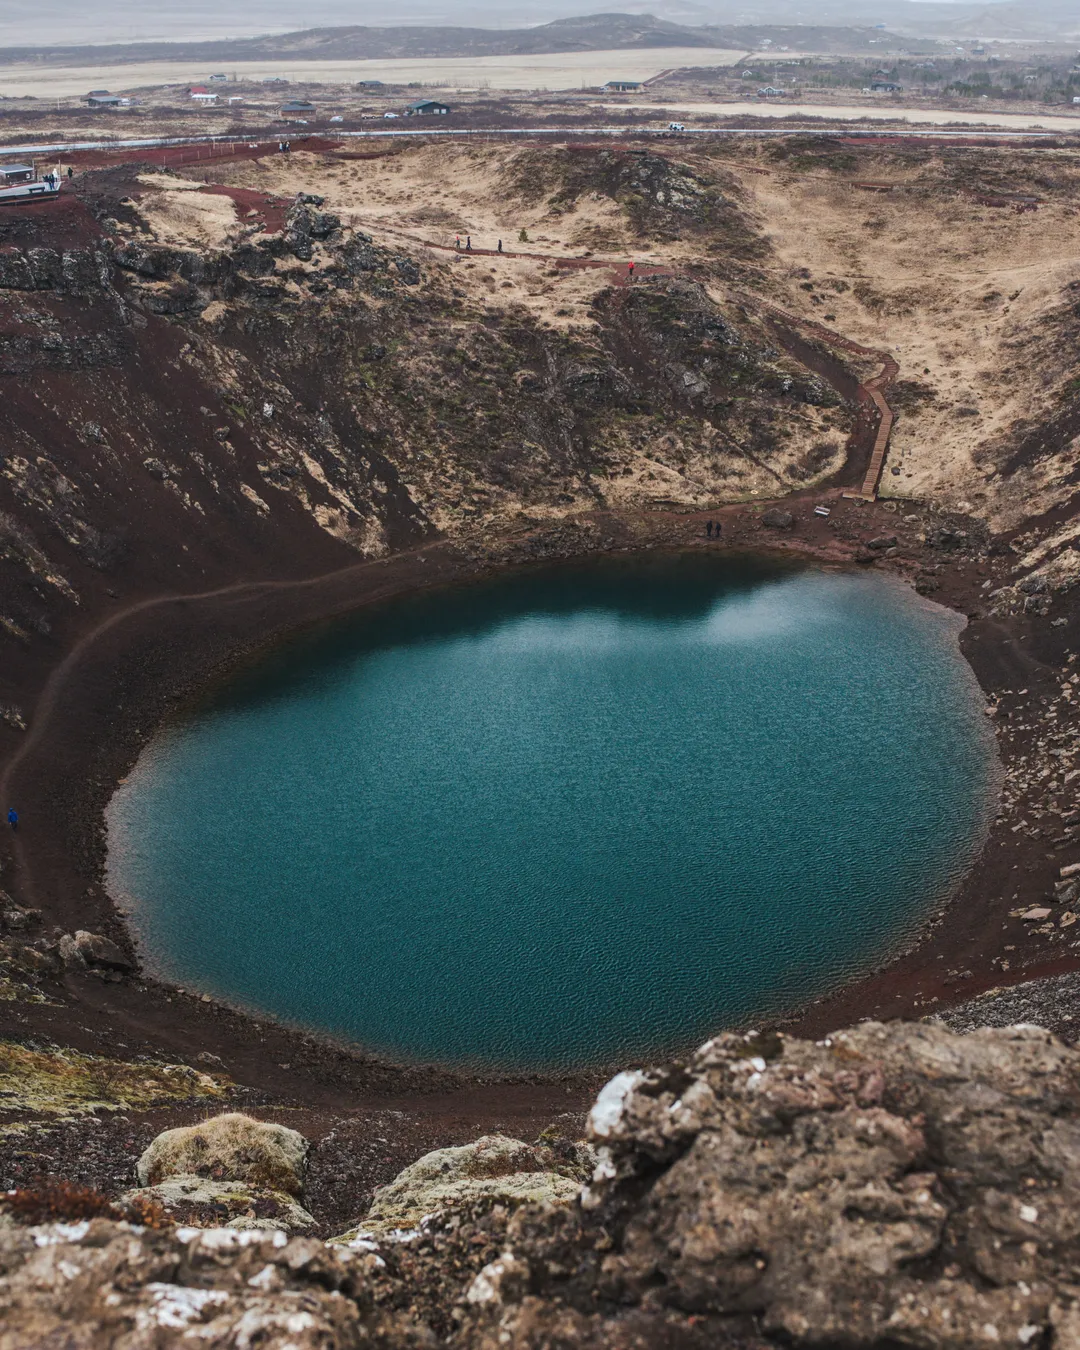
x=869 y=390
x=625 y=272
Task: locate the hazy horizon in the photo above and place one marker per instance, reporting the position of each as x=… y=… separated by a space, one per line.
x=63 y=23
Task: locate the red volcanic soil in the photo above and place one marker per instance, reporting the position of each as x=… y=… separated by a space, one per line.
x=193 y=152
x=271 y=209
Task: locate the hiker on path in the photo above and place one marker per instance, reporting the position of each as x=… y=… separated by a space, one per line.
x=71 y=173
x=718 y=529
x=13 y=818
x=500 y=245
x=468 y=243
x=630 y=269
x=457 y=241
x=708 y=528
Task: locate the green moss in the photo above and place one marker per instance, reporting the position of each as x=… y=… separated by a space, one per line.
x=65 y=1082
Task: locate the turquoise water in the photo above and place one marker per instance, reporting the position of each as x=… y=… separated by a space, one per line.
x=571 y=816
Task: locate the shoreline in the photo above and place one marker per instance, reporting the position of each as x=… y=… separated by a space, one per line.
x=161 y=964
x=117 y=683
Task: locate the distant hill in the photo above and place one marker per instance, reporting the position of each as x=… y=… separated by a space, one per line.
x=595 y=32
x=839 y=25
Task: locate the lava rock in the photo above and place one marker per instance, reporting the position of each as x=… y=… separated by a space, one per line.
x=97 y=1284
x=777 y=519
x=96 y=950
x=945 y=538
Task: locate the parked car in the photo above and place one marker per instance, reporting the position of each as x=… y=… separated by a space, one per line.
x=337 y=118
x=676 y=126
x=391 y=114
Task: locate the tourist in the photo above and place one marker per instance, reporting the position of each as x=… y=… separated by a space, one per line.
x=13 y=818
x=718 y=529
x=468 y=243
x=457 y=241
x=500 y=245
x=71 y=173
x=708 y=528
x=630 y=269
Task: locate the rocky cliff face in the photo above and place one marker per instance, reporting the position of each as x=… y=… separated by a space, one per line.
x=179 y=415
x=894 y=1185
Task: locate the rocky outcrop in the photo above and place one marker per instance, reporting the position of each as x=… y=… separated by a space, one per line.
x=495 y=1170
x=97 y=1284
x=303 y=224
x=891 y=1186
x=92 y=950
x=231 y=1147
x=72 y=271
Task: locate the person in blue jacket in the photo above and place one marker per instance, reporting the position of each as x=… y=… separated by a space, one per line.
x=13 y=818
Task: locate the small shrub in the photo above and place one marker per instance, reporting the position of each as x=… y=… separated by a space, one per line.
x=58 y=1202
x=149 y=1213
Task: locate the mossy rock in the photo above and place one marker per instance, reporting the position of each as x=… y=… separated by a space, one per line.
x=202 y=1203
x=231 y=1147
x=67 y=1082
x=495 y=1169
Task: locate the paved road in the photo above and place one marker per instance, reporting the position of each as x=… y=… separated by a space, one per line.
x=566 y=133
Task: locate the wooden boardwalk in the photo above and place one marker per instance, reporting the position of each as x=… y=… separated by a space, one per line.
x=870 y=391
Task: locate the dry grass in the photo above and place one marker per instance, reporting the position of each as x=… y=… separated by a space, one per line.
x=955 y=290
x=231 y=1147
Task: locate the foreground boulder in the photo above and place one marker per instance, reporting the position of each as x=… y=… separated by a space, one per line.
x=98 y=1285
x=495 y=1169
x=892 y=1185
x=197 y=1201
x=230 y=1147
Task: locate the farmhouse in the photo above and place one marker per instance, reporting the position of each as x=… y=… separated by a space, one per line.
x=297 y=107
x=623 y=86
x=427 y=107
x=103 y=100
